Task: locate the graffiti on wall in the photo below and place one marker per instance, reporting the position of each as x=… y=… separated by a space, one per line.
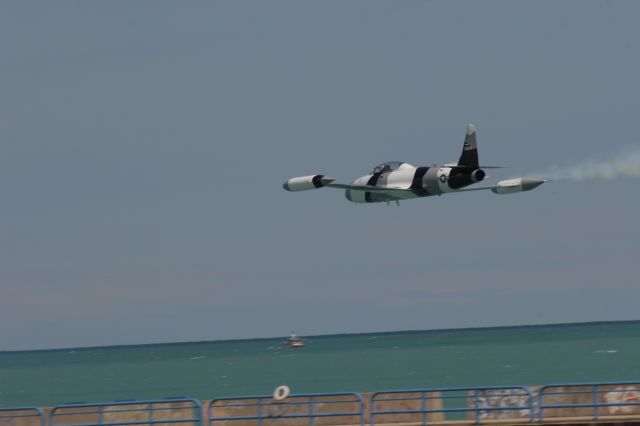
x=502 y=403
x=622 y=395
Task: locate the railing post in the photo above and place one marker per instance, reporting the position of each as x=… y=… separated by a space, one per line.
x=312 y=419
x=531 y=405
x=259 y=405
x=423 y=407
x=43 y=421
x=149 y=414
x=475 y=406
x=372 y=405
x=595 y=402
x=540 y=405
x=197 y=411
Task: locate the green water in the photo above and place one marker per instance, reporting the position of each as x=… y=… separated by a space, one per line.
x=365 y=362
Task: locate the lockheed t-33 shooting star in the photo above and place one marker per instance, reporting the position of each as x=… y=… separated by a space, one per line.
x=395 y=180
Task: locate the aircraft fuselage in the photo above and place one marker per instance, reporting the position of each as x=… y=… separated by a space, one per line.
x=422 y=181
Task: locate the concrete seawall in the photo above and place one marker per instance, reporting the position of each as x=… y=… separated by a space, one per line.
x=560 y=404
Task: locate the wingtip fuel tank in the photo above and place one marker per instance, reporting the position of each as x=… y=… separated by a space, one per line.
x=305 y=183
x=521 y=184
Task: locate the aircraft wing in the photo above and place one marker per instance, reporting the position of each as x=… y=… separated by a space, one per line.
x=473 y=189
x=304 y=183
x=509 y=186
x=367 y=188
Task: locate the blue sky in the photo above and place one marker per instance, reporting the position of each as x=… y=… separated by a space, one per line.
x=143 y=146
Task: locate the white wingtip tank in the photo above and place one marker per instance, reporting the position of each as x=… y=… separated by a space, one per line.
x=305 y=183
x=520 y=184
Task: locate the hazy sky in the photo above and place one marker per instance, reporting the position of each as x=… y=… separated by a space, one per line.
x=143 y=146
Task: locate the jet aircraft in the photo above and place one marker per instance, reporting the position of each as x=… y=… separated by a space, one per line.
x=396 y=180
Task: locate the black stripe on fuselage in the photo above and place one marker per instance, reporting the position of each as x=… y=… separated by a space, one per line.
x=373 y=180
x=416 y=184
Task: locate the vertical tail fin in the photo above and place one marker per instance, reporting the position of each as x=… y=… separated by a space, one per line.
x=469 y=156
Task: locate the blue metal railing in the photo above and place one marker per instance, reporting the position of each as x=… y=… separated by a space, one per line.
x=22 y=415
x=313 y=406
x=596 y=401
x=478 y=402
x=119 y=413
x=589 y=398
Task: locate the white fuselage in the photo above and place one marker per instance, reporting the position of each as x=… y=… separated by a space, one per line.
x=423 y=181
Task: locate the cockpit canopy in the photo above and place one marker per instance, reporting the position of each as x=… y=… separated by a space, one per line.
x=389 y=166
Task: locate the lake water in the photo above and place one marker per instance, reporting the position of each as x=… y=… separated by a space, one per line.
x=532 y=355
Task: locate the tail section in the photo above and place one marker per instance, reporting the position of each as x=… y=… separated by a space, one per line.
x=469 y=156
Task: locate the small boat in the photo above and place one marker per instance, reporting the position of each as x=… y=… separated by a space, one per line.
x=293 y=341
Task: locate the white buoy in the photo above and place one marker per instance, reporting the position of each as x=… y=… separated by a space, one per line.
x=281 y=393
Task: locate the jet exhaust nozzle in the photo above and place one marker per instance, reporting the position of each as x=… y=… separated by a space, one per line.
x=521 y=184
x=305 y=183
x=478 y=175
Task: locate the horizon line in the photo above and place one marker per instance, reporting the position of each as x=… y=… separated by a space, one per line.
x=253 y=339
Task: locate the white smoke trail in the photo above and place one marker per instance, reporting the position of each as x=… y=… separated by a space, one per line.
x=624 y=165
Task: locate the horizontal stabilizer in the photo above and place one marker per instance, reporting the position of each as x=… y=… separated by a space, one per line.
x=462 y=166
